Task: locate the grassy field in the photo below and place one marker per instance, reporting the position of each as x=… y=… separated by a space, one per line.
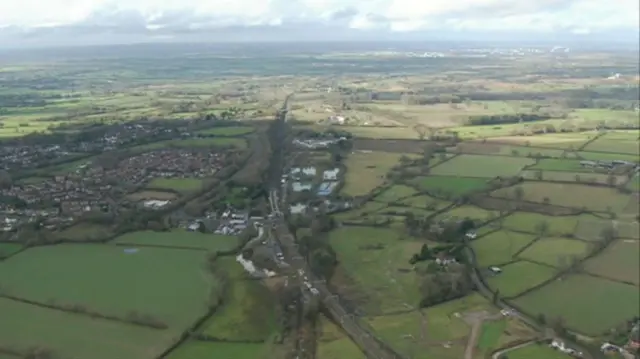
x=481 y=166
x=395 y=193
x=530 y=222
x=249 y=313
x=490 y=335
x=426 y=202
x=571 y=195
x=367 y=170
x=557 y=252
x=537 y=351
x=475 y=213
x=602 y=304
x=8 y=249
x=146 y=194
x=577 y=177
x=634 y=184
x=499 y=247
x=554 y=164
x=333 y=343
x=606 y=156
x=590 y=229
x=404 y=331
x=615 y=144
x=182 y=185
x=452 y=185
x=553 y=140
x=25 y=326
x=376 y=271
x=221 y=350
x=489 y=148
x=180 y=238
x=227 y=131
x=520 y=276
x=620 y=261
x=108 y=280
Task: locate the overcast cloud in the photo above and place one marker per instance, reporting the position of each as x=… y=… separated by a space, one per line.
x=71 y=20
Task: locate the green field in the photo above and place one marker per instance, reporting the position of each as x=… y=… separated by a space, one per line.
x=620 y=261
x=182 y=185
x=404 y=331
x=531 y=222
x=26 y=326
x=8 y=249
x=482 y=166
x=557 y=252
x=518 y=277
x=477 y=214
x=219 y=350
x=634 y=183
x=376 y=272
x=552 y=164
x=622 y=145
x=108 y=280
x=588 y=305
x=490 y=335
x=227 y=131
x=499 y=247
x=395 y=193
x=192 y=143
x=537 y=351
x=180 y=238
x=604 y=156
x=368 y=170
x=577 y=177
x=248 y=313
x=452 y=185
x=425 y=202
x=333 y=343
x=571 y=195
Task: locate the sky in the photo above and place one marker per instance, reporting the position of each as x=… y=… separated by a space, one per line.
x=51 y=22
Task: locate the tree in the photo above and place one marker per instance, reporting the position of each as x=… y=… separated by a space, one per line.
x=5 y=179
x=542 y=228
x=541 y=319
x=421 y=130
x=518 y=192
x=611 y=181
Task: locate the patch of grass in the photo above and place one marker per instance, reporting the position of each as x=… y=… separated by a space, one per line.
x=571 y=195
x=227 y=131
x=395 y=193
x=499 y=247
x=518 y=277
x=555 y=164
x=238 y=143
x=8 y=249
x=249 y=313
x=426 y=202
x=619 y=261
x=219 y=350
x=333 y=343
x=74 y=336
x=603 y=156
x=146 y=195
x=366 y=210
x=171 y=285
x=590 y=228
x=367 y=170
x=537 y=351
x=577 y=177
x=602 y=304
x=553 y=140
x=615 y=145
x=529 y=222
x=634 y=183
x=404 y=331
x=180 y=238
x=177 y=184
x=452 y=185
x=468 y=211
x=557 y=252
x=481 y=166
x=373 y=257
x=490 y=335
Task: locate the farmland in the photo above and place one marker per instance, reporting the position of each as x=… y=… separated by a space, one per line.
x=367 y=170
x=518 y=277
x=621 y=261
x=499 y=247
x=174 y=297
x=536 y=351
x=450 y=185
x=481 y=166
x=557 y=252
x=608 y=303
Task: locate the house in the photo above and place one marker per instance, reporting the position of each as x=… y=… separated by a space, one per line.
x=331 y=175
x=471 y=235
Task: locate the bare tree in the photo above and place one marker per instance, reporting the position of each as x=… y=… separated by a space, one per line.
x=421 y=130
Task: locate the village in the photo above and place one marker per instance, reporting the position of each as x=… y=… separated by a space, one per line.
x=91 y=187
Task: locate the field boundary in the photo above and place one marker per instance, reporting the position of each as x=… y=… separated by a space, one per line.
x=161 y=246
x=82 y=311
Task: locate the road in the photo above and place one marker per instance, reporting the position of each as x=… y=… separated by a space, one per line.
x=299 y=270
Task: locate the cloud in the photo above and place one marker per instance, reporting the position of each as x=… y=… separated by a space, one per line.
x=166 y=18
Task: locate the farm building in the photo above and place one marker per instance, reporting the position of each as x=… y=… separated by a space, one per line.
x=299 y=186
x=331 y=175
